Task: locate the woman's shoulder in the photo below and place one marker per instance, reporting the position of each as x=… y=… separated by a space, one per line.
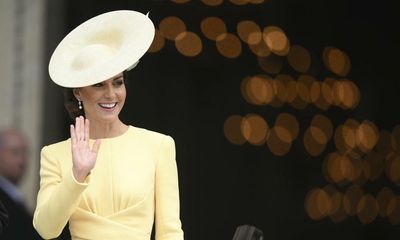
x=58 y=146
x=143 y=132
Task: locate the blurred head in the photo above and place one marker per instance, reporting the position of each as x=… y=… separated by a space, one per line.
x=13 y=155
x=102 y=102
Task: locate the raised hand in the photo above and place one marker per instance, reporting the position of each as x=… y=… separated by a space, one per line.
x=83 y=158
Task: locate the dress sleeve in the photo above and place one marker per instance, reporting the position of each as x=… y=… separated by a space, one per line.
x=168 y=224
x=58 y=196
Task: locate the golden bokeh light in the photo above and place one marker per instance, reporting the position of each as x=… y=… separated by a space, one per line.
x=276 y=40
x=367 y=135
x=325 y=126
x=317 y=135
x=327 y=90
x=336 y=211
x=256 y=1
x=341 y=170
x=212 y=27
x=260 y=49
x=158 y=42
x=351 y=198
x=279 y=89
x=229 y=45
x=315 y=92
x=257 y=90
x=232 y=129
x=390 y=158
x=317 y=97
x=373 y=165
x=188 y=44
x=384 y=196
x=171 y=27
x=180 y=1
x=345 y=136
x=212 y=3
x=254 y=129
x=394 y=210
x=346 y=94
x=336 y=61
x=283 y=81
x=249 y=32
x=286 y=124
x=304 y=83
x=358 y=176
x=350 y=133
x=317 y=204
x=275 y=143
x=299 y=58
x=396 y=137
x=239 y=2
x=286 y=80
x=367 y=209
x=386 y=143
x=312 y=146
x=293 y=97
x=393 y=170
x=270 y=64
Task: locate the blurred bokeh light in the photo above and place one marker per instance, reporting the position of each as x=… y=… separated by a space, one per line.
x=336 y=61
x=188 y=44
x=171 y=27
x=212 y=27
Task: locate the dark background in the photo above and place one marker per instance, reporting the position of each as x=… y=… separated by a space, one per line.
x=224 y=185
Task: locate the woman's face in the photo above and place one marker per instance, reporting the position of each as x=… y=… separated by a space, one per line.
x=103 y=101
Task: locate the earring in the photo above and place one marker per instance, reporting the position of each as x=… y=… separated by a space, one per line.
x=80 y=104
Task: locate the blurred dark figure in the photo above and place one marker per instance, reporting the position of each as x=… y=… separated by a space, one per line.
x=13 y=158
x=3 y=218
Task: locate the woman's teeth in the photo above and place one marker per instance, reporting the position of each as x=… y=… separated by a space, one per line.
x=107 y=105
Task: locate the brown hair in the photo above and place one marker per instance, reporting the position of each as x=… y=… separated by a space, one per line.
x=71 y=103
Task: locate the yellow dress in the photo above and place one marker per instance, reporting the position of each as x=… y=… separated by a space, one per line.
x=133 y=182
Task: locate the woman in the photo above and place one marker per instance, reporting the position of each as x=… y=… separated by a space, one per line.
x=109 y=180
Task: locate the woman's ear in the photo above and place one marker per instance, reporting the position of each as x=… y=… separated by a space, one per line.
x=77 y=94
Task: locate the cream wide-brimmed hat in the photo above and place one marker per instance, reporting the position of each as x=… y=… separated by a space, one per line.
x=101 y=48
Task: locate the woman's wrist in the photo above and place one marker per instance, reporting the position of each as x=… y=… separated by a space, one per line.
x=79 y=175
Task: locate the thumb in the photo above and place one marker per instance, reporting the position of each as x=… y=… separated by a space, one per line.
x=96 y=146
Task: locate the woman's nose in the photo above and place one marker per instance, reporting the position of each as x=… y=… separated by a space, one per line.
x=110 y=92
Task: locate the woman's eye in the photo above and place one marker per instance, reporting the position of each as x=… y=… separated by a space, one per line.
x=98 y=85
x=119 y=82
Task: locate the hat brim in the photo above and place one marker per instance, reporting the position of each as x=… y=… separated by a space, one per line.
x=101 y=48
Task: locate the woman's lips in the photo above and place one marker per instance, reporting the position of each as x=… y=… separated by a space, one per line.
x=108 y=106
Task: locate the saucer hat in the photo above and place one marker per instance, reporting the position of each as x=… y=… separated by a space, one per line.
x=101 y=48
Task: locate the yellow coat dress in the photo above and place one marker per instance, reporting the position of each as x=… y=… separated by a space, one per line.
x=133 y=183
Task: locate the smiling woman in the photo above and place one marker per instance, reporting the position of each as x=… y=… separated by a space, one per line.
x=110 y=180
x=71 y=102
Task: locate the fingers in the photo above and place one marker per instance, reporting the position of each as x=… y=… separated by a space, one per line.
x=87 y=136
x=73 y=135
x=77 y=129
x=96 y=146
x=82 y=128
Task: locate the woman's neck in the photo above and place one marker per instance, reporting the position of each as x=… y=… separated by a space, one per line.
x=106 y=130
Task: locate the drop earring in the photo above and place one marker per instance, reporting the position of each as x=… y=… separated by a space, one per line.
x=80 y=104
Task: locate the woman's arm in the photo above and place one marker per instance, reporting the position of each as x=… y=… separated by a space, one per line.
x=58 y=196
x=3 y=218
x=168 y=224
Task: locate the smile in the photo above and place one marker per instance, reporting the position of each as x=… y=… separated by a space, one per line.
x=108 y=106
